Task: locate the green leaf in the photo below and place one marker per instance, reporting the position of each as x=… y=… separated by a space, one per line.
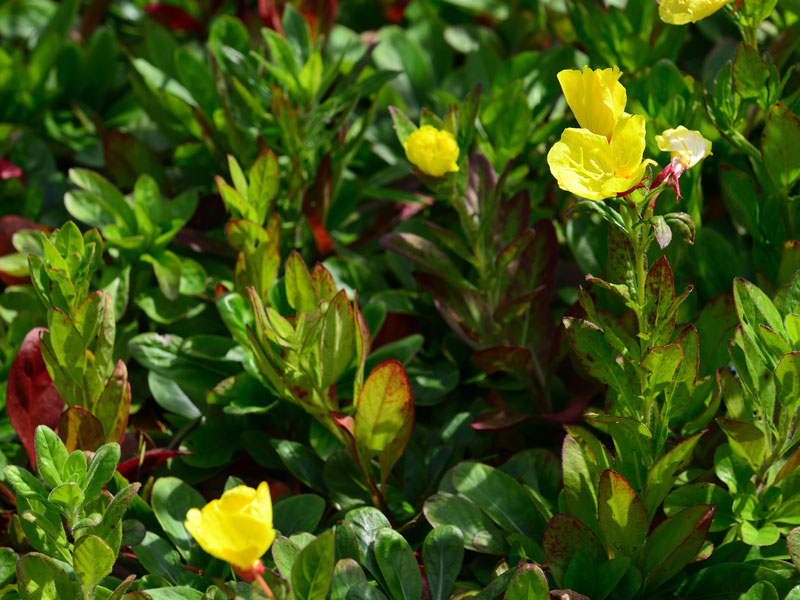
x=171 y=499
x=264 y=178
x=703 y=493
x=337 y=340
x=311 y=571
x=365 y=591
x=398 y=565
x=296 y=514
x=106 y=195
x=762 y=590
x=499 y=496
x=599 y=358
x=787 y=378
x=67 y=496
x=445 y=509
x=101 y=469
x=403 y=126
x=92 y=559
x=760 y=536
x=346 y=575
x=159 y=558
x=780 y=146
x=621 y=515
x=167 y=267
x=442 y=555
x=662 y=476
x=750 y=73
x=793 y=544
x=41 y=578
x=24 y=483
x=51 y=455
x=284 y=553
x=746 y=440
x=384 y=416
x=196 y=77
x=299 y=286
x=529 y=583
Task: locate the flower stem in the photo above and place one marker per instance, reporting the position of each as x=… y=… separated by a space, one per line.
x=265 y=587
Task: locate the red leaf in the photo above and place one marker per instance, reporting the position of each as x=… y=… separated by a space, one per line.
x=31 y=397
x=499 y=420
x=9 y=170
x=173 y=17
x=151 y=459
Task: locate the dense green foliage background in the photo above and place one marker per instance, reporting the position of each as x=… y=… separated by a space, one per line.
x=454 y=375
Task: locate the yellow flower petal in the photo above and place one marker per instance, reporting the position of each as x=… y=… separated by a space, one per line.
x=596 y=98
x=237 y=528
x=581 y=163
x=680 y=12
x=590 y=166
x=433 y=151
x=688 y=146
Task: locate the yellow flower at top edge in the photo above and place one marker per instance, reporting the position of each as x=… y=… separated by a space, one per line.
x=236 y=528
x=685 y=145
x=680 y=12
x=433 y=151
x=596 y=98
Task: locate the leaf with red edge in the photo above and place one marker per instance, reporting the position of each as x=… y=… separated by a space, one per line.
x=621 y=514
x=173 y=17
x=114 y=404
x=31 y=396
x=564 y=537
x=136 y=467
x=80 y=429
x=675 y=543
x=385 y=416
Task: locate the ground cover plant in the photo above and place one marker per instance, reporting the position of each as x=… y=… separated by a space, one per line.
x=400 y=300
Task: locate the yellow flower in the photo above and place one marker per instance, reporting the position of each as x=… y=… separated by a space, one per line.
x=433 y=151
x=680 y=12
x=592 y=167
x=687 y=146
x=596 y=98
x=237 y=528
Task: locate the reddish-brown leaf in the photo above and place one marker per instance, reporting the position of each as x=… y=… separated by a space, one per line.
x=31 y=397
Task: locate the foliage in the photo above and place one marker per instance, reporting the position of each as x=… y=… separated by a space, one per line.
x=488 y=299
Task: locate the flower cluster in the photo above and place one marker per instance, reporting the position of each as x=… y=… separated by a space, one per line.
x=603 y=158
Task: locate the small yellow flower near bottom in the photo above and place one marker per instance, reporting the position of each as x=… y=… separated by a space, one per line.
x=433 y=151
x=590 y=166
x=236 y=528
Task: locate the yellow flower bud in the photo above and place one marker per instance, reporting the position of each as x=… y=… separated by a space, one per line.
x=433 y=151
x=236 y=528
x=689 y=147
x=596 y=98
x=592 y=167
x=680 y=12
